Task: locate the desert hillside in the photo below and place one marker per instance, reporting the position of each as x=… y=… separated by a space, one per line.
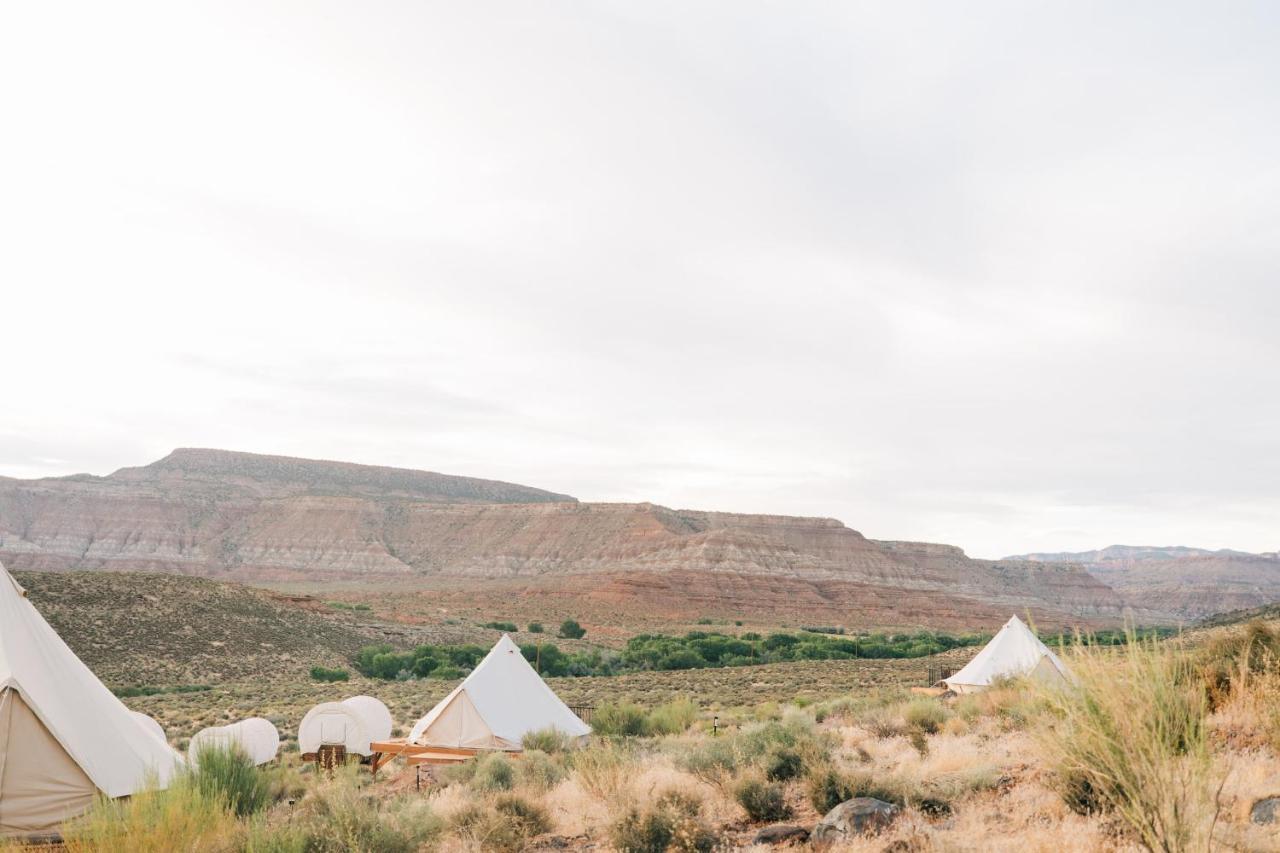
x=264 y=519
x=144 y=629
x=1180 y=584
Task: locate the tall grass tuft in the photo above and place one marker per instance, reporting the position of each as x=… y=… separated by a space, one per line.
x=181 y=817
x=549 y=740
x=340 y=816
x=1129 y=738
x=228 y=774
x=603 y=770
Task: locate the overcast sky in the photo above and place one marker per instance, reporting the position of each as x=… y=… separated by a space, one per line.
x=987 y=274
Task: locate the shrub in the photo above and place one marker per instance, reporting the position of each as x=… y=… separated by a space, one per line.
x=713 y=761
x=339 y=816
x=461 y=773
x=1130 y=739
x=1232 y=658
x=493 y=772
x=828 y=788
x=229 y=776
x=672 y=718
x=505 y=825
x=783 y=763
x=671 y=823
x=535 y=628
x=764 y=802
x=716 y=760
x=539 y=770
x=320 y=673
x=181 y=817
x=509 y=627
x=571 y=630
x=550 y=740
x=925 y=715
x=883 y=722
x=602 y=770
x=623 y=718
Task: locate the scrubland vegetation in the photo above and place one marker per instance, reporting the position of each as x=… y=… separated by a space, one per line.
x=1160 y=745
x=659 y=653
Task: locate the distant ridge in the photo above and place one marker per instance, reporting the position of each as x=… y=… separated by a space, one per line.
x=1177 y=583
x=290 y=475
x=271 y=519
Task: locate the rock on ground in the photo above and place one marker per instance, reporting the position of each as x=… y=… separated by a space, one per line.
x=861 y=815
x=1265 y=811
x=782 y=833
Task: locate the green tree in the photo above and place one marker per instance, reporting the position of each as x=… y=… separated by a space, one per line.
x=571 y=630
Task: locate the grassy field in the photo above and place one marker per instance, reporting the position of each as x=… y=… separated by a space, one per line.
x=285 y=700
x=1159 y=746
x=1163 y=745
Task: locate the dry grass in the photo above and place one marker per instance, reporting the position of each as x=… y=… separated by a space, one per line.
x=1131 y=739
x=978 y=773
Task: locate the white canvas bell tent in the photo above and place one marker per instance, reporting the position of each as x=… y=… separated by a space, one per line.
x=1014 y=651
x=63 y=734
x=352 y=724
x=258 y=737
x=501 y=701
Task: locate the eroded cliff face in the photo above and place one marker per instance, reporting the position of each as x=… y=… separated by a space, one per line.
x=1180 y=584
x=251 y=518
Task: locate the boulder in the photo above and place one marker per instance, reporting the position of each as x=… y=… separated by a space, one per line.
x=1265 y=811
x=782 y=833
x=859 y=816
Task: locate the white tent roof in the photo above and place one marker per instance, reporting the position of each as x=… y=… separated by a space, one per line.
x=501 y=701
x=258 y=737
x=352 y=723
x=1013 y=651
x=119 y=754
x=151 y=725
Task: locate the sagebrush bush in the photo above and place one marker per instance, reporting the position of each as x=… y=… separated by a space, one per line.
x=340 y=816
x=549 y=740
x=763 y=801
x=402 y=825
x=539 y=770
x=229 y=775
x=622 y=718
x=503 y=825
x=671 y=823
x=672 y=718
x=719 y=759
x=713 y=761
x=926 y=715
x=829 y=787
x=783 y=763
x=493 y=772
x=461 y=773
x=1235 y=656
x=883 y=722
x=603 y=770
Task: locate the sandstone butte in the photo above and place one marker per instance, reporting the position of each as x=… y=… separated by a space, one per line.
x=268 y=519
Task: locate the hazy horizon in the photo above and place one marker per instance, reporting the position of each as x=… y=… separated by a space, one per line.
x=994 y=276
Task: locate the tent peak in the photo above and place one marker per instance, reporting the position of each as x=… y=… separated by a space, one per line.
x=22 y=591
